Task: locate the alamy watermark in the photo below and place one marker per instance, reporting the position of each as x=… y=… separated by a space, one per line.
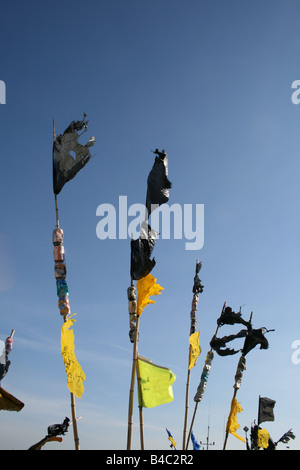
x=296 y=353
x=2 y=92
x=177 y=221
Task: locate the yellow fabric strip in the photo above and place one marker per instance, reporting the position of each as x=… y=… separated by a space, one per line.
x=74 y=372
x=195 y=349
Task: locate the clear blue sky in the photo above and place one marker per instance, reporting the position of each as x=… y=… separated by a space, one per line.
x=210 y=82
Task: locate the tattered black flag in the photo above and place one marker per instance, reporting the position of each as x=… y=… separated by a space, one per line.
x=255 y=337
x=65 y=167
x=265 y=409
x=158 y=184
x=217 y=344
x=229 y=317
x=286 y=437
x=141 y=263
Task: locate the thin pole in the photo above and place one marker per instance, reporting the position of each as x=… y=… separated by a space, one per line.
x=131 y=392
x=75 y=431
x=186 y=410
x=195 y=408
x=188 y=377
x=140 y=409
x=73 y=406
x=55 y=196
x=235 y=391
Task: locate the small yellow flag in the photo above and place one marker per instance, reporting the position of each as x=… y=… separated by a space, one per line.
x=263 y=438
x=232 y=424
x=75 y=374
x=155 y=384
x=195 y=349
x=146 y=286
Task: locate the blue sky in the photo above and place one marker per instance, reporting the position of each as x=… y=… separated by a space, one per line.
x=210 y=82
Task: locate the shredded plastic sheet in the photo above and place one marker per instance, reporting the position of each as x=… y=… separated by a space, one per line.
x=65 y=166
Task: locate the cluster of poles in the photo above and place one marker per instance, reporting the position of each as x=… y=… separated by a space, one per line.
x=64 y=169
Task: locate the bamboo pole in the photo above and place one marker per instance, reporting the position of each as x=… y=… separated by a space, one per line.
x=235 y=389
x=140 y=409
x=186 y=410
x=73 y=405
x=196 y=405
x=131 y=392
x=188 y=384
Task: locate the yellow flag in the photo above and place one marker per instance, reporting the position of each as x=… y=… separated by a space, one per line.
x=74 y=371
x=195 y=349
x=232 y=424
x=263 y=438
x=155 y=384
x=146 y=286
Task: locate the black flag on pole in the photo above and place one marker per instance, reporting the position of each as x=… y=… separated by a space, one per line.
x=265 y=409
x=141 y=263
x=65 y=166
x=158 y=184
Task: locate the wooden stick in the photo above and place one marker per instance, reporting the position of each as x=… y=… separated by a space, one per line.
x=187 y=399
x=140 y=409
x=196 y=406
x=74 y=419
x=186 y=410
x=131 y=392
x=235 y=391
x=55 y=196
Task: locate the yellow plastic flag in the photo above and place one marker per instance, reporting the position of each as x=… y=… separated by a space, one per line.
x=155 y=384
x=75 y=374
x=146 y=286
x=232 y=424
x=195 y=349
x=263 y=438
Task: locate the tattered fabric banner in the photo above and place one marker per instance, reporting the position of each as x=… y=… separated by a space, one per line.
x=65 y=167
x=195 y=349
x=232 y=424
x=158 y=184
x=141 y=250
x=75 y=374
x=146 y=287
x=155 y=384
x=265 y=409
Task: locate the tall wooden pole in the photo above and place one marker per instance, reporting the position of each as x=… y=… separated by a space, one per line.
x=236 y=385
x=135 y=332
x=196 y=289
x=196 y=404
x=140 y=409
x=73 y=406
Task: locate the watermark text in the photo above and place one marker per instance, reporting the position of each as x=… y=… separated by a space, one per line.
x=175 y=221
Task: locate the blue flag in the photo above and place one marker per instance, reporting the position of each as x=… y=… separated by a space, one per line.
x=196 y=446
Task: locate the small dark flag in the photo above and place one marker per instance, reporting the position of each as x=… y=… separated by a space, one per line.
x=141 y=263
x=158 y=184
x=65 y=167
x=255 y=337
x=265 y=409
x=286 y=437
x=229 y=317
